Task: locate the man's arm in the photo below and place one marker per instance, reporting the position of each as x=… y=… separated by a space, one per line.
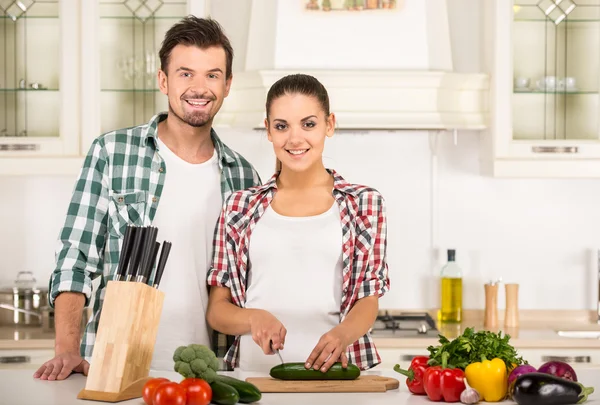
x=79 y=259
x=67 y=320
x=68 y=311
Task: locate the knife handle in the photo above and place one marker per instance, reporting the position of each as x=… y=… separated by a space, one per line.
x=164 y=255
x=130 y=232
x=148 y=247
x=150 y=266
x=136 y=251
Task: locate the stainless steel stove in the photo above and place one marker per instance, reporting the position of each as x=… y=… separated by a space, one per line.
x=404 y=325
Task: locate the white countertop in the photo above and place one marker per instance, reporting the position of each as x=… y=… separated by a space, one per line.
x=18 y=387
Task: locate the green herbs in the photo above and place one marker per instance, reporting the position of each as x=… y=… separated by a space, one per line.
x=472 y=347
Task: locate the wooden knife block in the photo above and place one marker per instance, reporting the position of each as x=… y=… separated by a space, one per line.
x=125 y=340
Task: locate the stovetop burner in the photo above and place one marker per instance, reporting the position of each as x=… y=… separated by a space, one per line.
x=404 y=324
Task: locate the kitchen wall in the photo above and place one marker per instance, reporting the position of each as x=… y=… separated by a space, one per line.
x=538 y=233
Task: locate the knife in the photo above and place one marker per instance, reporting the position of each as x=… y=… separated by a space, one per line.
x=276 y=351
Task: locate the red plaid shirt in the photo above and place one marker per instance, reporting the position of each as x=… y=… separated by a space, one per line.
x=364 y=233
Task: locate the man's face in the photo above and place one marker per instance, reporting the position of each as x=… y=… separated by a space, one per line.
x=195 y=83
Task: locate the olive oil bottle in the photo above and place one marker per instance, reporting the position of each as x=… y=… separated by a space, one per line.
x=451 y=291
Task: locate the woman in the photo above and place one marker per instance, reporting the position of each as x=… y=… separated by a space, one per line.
x=300 y=261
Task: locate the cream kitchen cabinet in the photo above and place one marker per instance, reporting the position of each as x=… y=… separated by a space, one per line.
x=578 y=358
x=390 y=357
x=71 y=70
x=543 y=57
x=24 y=358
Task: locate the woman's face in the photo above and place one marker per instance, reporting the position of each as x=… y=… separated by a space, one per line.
x=297 y=127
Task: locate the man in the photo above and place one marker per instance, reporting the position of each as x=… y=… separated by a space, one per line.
x=173 y=173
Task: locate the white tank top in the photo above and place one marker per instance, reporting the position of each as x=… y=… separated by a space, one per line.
x=295 y=274
x=186 y=215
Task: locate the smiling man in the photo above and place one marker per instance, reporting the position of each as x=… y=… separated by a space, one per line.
x=173 y=173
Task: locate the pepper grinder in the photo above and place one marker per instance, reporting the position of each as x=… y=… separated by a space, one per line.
x=511 y=317
x=490 y=319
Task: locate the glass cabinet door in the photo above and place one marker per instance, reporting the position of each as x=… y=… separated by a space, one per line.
x=131 y=32
x=556 y=71
x=38 y=77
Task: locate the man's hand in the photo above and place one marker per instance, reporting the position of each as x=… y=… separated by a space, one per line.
x=267 y=331
x=61 y=366
x=330 y=348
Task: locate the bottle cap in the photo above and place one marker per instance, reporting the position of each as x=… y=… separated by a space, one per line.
x=451 y=255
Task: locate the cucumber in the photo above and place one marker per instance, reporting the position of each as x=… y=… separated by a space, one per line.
x=224 y=394
x=248 y=392
x=297 y=371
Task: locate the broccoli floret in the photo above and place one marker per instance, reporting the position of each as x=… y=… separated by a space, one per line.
x=185 y=370
x=177 y=354
x=188 y=354
x=198 y=366
x=209 y=375
x=196 y=361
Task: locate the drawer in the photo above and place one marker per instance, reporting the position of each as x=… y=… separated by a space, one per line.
x=24 y=359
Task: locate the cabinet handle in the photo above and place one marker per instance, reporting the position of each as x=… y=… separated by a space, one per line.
x=408 y=357
x=15 y=359
x=568 y=359
x=555 y=149
x=19 y=147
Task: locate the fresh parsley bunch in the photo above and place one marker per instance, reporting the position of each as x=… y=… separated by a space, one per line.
x=472 y=347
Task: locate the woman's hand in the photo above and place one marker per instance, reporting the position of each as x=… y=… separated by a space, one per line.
x=267 y=331
x=330 y=349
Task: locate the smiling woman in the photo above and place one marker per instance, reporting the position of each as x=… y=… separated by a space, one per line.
x=306 y=232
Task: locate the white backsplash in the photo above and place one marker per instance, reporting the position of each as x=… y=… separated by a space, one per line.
x=541 y=234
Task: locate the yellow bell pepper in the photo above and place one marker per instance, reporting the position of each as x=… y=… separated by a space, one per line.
x=489 y=378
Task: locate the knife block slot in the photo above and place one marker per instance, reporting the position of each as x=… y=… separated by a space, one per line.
x=125 y=340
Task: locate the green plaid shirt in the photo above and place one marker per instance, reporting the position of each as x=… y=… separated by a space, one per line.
x=120 y=183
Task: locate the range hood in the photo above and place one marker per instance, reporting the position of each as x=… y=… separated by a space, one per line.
x=383 y=68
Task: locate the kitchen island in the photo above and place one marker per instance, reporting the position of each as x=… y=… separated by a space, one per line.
x=18 y=387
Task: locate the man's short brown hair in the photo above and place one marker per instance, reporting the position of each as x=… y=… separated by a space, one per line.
x=201 y=32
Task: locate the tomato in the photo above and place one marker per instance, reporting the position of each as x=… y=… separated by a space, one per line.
x=169 y=393
x=150 y=387
x=198 y=391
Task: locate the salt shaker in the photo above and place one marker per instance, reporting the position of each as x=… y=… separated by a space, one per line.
x=490 y=319
x=511 y=317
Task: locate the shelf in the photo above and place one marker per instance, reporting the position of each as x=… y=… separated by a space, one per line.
x=132 y=17
x=130 y=90
x=31 y=17
x=30 y=90
x=566 y=93
x=568 y=20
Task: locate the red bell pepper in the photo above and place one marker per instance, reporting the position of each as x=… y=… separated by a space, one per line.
x=414 y=374
x=444 y=383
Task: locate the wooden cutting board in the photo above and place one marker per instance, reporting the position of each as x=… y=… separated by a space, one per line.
x=366 y=383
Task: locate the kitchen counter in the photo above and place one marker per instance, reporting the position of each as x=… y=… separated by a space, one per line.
x=537 y=331
x=20 y=388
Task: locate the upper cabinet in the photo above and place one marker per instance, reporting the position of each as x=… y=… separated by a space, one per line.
x=39 y=99
x=121 y=67
x=71 y=70
x=544 y=62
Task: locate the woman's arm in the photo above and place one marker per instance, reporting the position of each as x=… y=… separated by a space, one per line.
x=332 y=345
x=375 y=282
x=228 y=318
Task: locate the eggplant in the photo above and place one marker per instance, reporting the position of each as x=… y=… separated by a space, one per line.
x=546 y=389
